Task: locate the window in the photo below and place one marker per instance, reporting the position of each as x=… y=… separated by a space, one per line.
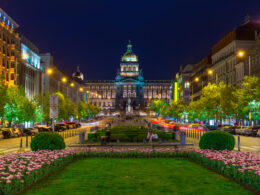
x=12 y=76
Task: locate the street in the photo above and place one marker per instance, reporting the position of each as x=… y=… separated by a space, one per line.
x=247 y=144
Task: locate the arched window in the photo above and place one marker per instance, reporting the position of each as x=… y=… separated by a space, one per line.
x=134 y=68
x=124 y=68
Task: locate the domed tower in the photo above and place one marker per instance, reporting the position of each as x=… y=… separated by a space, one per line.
x=78 y=75
x=129 y=66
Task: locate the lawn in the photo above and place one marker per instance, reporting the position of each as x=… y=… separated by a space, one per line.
x=136 y=176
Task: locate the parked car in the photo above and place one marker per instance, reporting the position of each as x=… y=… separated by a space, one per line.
x=241 y=130
x=1 y=134
x=251 y=131
x=6 y=132
x=30 y=131
x=258 y=133
x=41 y=128
x=74 y=124
x=60 y=127
x=229 y=129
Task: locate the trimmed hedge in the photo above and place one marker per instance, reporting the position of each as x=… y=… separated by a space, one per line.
x=47 y=141
x=217 y=140
x=129 y=134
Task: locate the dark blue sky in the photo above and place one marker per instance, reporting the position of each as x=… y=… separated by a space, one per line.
x=93 y=33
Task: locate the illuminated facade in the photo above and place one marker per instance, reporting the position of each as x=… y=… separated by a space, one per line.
x=129 y=89
x=31 y=70
x=9 y=49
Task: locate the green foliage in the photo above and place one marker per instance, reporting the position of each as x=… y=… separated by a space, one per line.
x=217 y=140
x=157 y=105
x=47 y=141
x=129 y=134
x=3 y=96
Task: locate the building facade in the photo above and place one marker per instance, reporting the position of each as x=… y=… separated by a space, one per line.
x=10 y=50
x=202 y=74
x=226 y=64
x=182 y=84
x=31 y=69
x=129 y=91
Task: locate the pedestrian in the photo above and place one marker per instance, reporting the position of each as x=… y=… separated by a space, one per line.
x=108 y=134
x=150 y=136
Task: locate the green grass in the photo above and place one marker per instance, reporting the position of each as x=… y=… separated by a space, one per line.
x=136 y=176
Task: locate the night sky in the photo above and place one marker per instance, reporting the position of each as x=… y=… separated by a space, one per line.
x=94 y=33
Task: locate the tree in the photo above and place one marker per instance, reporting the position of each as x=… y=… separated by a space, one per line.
x=11 y=105
x=3 y=98
x=157 y=105
x=177 y=109
x=83 y=110
x=249 y=92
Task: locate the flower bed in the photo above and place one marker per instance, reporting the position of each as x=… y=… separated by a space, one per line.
x=17 y=171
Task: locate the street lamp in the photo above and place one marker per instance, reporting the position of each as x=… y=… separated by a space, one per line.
x=241 y=54
x=80 y=89
x=210 y=72
x=49 y=71
x=64 y=79
x=72 y=84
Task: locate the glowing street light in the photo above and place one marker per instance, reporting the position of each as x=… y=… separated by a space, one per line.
x=210 y=72
x=72 y=84
x=64 y=79
x=196 y=79
x=241 y=54
x=80 y=89
x=49 y=71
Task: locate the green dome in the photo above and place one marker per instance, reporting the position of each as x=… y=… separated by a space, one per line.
x=129 y=56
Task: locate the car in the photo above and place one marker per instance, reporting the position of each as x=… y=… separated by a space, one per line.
x=255 y=130
x=60 y=127
x=1 y=134
x=258 y=133
x=240 y=130
x=6 y=133
x=229 y=129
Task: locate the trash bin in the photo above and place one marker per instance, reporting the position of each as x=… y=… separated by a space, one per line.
x=82 y=137
x=183 y=137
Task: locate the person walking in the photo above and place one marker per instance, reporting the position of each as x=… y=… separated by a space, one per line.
x=150 y=136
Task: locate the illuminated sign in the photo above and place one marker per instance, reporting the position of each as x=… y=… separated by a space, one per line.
x=30 y=57
x=175 y=91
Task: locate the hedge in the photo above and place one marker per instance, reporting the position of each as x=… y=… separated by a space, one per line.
x=217 y=140
x=129 y=134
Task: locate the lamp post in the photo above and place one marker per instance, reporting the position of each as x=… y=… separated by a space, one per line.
x=49 y=71
x=196 y=80
x=241 y=54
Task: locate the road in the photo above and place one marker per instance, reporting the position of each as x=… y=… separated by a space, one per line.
x=247 y=144
x=12 y=145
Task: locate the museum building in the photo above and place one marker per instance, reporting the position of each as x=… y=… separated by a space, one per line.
x=129 y=91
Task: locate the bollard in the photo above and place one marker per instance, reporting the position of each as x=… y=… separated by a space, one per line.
x=144 y=141
x=21 y=142
x=160 y=141
x=238 y=143
x=183 y=138
x=26 y=141
x=117 y=141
